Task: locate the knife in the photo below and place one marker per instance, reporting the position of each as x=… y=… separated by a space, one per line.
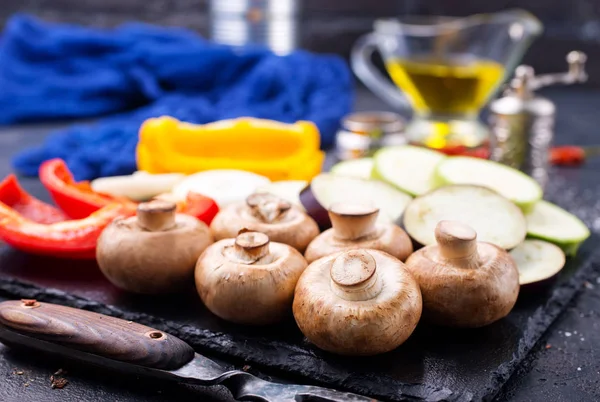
x=122 y=345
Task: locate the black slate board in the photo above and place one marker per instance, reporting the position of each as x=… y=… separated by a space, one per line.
x=508 y=343
x=434 y=365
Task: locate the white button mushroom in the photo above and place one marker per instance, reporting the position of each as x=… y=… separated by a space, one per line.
x=464 y=283
x=357 y=302
x=249 y=280
x=354 y=227
x=153 y=252
x=269 y=214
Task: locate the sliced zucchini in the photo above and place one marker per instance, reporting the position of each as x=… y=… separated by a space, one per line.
x=407 y=167
x=360 y=168
x=552 y=223
x=537 y=260
x=327 y=189
x=495 y=219
x=511 y=183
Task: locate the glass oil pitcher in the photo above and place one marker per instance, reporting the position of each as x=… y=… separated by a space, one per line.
x=444 y=69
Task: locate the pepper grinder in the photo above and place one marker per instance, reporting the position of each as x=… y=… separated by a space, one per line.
x=522 y=122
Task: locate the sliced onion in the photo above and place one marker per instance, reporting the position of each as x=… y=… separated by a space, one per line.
x=224 y=186
x=289 y=190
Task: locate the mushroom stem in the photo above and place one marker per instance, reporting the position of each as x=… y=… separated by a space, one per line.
x=354 y=276
x=267 y=207
x=156 y=215
x=353 y=221
x=457 y=243
x=251 y=246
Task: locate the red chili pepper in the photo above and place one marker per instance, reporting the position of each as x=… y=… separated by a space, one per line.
x=197 y=205
x=76 y=199
x=66 y=239
x=13 y=196
x=568 y=155
x=481 y=151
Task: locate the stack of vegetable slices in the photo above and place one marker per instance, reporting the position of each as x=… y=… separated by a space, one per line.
x=418 y=187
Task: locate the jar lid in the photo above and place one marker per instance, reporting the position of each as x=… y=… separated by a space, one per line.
x=368 y=122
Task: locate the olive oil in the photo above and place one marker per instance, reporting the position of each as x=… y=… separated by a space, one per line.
x=457 y=85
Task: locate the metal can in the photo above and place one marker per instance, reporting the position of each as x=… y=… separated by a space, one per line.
x=361 y=133
x=271 y=23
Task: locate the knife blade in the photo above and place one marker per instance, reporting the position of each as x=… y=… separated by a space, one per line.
x=126 y=346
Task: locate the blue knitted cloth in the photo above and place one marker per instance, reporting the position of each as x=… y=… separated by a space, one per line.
x=136 y=71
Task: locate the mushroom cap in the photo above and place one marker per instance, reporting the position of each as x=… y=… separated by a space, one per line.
x=151 y=262
x=255 y=293
x=293 y=227
x=389 y=238
x=465 y=297
x=357 y=327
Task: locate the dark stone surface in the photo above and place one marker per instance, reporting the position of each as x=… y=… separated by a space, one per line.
x=334 y=25
x=565 y=364
x=454 y=365
x=457 y=360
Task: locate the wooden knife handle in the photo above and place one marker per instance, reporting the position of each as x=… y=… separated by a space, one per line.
x=97 y=334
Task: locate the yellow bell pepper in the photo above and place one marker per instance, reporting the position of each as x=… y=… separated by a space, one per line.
x=276 y=150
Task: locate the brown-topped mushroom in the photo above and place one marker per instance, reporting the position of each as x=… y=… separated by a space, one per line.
x=249 y=280
x=354 y=227
x=268 y=214
x=357 y=302
x=465 y=283
x=153 y=252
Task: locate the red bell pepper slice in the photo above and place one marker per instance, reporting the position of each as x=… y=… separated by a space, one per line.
x=76 y=199
x=69 y=239
x=197 y=205
x=13 y=196
x=200 y=206
x=31 y=225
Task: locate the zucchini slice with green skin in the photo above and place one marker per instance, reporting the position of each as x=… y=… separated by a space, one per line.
x=409 y=168
x=495 y=219
x=511 y=183
x=360 y=168
x=327 y=189
x=537 y=261
x=550 y=222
